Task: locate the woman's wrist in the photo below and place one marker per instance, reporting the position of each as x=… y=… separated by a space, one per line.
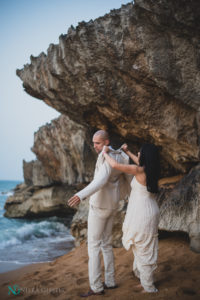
x=126 y=151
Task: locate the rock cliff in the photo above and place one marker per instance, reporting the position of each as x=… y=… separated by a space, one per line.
x=135 y=72
x=65 y=160
x=64 y=149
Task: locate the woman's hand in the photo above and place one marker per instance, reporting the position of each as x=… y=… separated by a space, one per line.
x=124 y=147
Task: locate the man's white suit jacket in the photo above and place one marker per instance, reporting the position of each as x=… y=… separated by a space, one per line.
x=109 y=185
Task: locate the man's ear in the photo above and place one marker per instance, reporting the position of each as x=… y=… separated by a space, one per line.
x=107 y=142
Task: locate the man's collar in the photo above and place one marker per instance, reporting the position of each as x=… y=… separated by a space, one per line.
x=112 y=150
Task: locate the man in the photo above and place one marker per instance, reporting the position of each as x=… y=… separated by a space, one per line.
x=105 y=195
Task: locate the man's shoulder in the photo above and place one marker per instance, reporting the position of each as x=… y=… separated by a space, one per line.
x=115 y=154
x=120 y=156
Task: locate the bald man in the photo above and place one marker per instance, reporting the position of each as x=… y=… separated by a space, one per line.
x=105 y=195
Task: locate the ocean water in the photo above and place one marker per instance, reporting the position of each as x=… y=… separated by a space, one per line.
x=24 y=241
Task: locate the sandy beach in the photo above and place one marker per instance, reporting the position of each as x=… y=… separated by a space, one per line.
x=177 y=275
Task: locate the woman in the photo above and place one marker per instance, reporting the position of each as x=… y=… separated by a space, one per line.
x=140 y=227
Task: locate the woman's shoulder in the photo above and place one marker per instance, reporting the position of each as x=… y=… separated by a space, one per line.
x=141 y=178
x=140 y=170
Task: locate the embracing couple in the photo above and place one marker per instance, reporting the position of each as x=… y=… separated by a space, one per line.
x=140 y=227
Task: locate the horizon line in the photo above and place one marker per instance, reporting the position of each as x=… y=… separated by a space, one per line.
x=11 y=180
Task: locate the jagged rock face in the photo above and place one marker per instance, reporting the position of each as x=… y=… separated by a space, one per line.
x=180 y=207
x=134 y=71
x=64 y=149
x=34 y=174
x=36 y=202
x=28 y=172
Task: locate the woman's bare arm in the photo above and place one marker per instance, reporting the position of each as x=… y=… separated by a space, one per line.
x=133 y=157
x=124 y=147
x=129 y=169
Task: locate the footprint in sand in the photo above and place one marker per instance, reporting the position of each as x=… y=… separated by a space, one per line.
x=46 y=282
x=49 y=270
x=52 y=263
x=165 y=268
x=71 y=274
x=135 y=290
x=35 y=273
x=188 y=291
x=81 y=281
x=159 y=282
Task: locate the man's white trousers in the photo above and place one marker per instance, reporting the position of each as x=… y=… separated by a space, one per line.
x=100 y=223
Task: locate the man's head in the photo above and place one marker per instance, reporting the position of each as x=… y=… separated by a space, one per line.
x=100 y=139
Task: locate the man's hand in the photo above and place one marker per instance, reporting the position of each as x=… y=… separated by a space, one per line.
x=75 y=200
x=124 y=147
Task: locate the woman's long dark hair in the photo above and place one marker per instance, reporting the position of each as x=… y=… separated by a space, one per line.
x=149 y=158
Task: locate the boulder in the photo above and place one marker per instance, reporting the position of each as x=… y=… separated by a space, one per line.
x=180 y=207
x=36 y=202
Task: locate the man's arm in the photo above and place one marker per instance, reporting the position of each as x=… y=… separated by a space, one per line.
x=101 y=178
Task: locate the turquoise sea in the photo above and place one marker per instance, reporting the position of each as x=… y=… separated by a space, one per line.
x=24 y=241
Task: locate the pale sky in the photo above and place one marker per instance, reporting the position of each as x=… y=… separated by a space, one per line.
x=27 y=27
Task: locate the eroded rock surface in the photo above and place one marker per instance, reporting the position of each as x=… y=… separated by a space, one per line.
x=36 y=202
x=134 y=71
x=180 y=207
x=34 y=174
x=65 y=151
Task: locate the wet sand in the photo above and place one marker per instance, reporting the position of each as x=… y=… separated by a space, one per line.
x=177 y=275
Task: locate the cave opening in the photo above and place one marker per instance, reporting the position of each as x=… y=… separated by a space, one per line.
x=178 y=235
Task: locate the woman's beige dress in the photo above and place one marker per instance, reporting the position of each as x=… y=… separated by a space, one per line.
x=140 y=230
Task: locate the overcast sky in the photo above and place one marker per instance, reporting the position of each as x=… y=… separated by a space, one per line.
x=28 y=27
